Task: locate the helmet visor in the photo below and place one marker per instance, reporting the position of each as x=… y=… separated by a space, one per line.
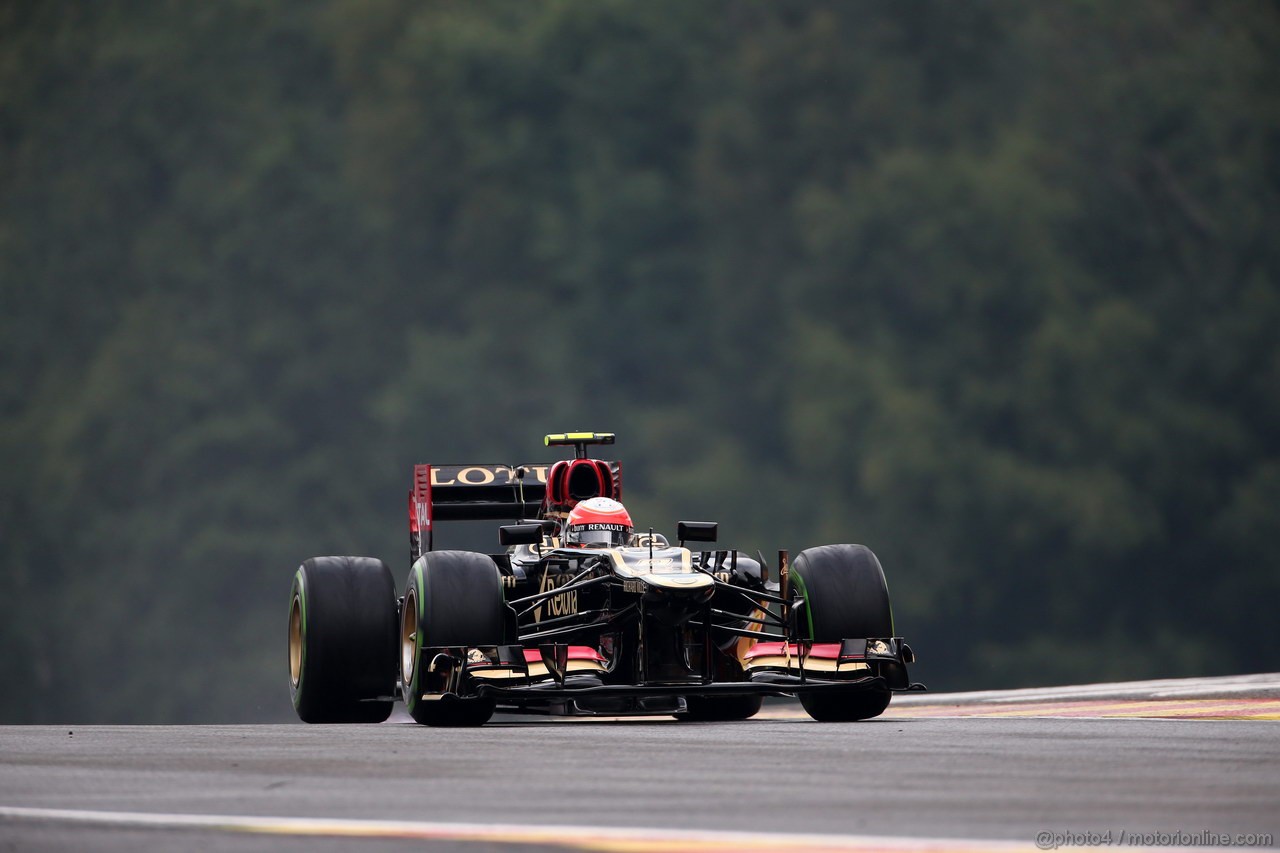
x=599 y=535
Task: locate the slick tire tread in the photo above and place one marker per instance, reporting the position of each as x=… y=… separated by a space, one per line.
x=458 y=595
x=846 y=597
x=342 y=640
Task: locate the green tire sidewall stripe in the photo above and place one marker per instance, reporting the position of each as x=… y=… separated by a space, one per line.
x=414 y=693
x=804 y=593
x=417 y=570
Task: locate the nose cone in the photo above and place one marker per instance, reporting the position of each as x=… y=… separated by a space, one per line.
x=675 y=599
x=679 y=583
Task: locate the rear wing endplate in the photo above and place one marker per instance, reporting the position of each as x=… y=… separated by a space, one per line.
x=471 y=493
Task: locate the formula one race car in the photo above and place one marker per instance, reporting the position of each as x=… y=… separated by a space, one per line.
x=583 y=614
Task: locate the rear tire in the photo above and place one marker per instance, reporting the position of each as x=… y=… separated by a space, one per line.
x=720 y=709
x=453 y=598
x=846 y=597
x=342 y=640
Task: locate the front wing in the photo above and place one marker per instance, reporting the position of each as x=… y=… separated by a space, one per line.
x=504 y=673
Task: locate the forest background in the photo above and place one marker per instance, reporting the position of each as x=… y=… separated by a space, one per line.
x=992 y=287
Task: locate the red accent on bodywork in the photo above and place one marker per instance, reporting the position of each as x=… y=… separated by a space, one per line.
x=607 y=485
x=420 y=512
x=607 y=476
x=555 y=486
x=830 y=651
x=564 y=472
x=575 y=653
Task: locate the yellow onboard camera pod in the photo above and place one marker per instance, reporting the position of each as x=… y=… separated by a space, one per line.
x=579 y=440
x=559 y=438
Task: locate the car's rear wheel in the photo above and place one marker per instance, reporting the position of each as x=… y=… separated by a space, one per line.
x=708 y=709
x=453 y=599
x=846 y=597
x=342 y=640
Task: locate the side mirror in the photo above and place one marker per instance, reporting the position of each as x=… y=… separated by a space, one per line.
x=520 y=534
x=696 y=531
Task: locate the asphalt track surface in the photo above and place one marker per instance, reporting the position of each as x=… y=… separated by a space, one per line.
x=951 y=772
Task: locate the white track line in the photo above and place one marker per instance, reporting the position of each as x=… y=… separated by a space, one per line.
x=580 y=837
x=614 y=839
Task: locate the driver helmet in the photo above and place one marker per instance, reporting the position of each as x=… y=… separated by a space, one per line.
x=597 y=523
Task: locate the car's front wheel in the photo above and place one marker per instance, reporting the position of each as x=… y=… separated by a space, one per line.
x=846 y=597
x=453 y=599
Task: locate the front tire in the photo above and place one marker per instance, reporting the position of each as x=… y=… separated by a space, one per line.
x=845 y=597
x=453 y=598
x=342 y=640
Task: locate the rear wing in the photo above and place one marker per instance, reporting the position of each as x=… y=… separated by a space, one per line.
x=479 y=492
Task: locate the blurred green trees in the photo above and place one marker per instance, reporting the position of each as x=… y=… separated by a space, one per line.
x=989 y=287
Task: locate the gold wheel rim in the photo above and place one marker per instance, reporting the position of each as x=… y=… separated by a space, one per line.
x=295 y=642
x=408 y=638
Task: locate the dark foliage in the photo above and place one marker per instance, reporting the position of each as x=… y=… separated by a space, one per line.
x=985 y=286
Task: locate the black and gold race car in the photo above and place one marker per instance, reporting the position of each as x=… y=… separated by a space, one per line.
x=582 y=613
